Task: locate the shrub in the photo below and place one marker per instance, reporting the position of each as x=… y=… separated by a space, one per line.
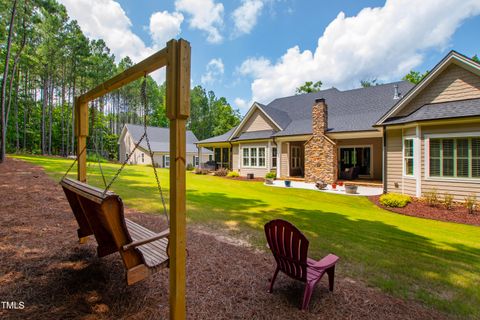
x=221 y=172
x=470 y=202
x=395 y=200
x=190 y=167
x=233 y=174
x=201 y=171
x=447 y=201
x=431 y=197
x=270 y=175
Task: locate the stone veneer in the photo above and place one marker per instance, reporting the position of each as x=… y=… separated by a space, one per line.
x=320 y=151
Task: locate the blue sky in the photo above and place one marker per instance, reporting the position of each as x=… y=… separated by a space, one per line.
x=249 y=50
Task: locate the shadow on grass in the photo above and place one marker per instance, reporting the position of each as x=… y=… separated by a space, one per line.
x=399 y=262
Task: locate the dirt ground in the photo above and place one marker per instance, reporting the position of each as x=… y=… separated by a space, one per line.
x=43 y=266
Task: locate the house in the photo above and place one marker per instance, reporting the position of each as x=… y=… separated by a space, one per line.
x=160 y=144
x=410 y=138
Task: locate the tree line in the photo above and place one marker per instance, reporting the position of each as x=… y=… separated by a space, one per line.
x=47 y=61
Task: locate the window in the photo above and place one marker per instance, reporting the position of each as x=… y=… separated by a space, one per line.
x=454 y=157
x=408 y=157
x=143 y=157
x=246 y=157
x=210 y=157
x=274 y=157
x=254 y=157
x=166 y=161
x=195 y=161
x=295 y=157
x=126 y=156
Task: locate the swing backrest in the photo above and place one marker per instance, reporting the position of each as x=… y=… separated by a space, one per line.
x=102 y=214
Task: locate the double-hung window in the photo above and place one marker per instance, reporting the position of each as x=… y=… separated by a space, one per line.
x=408 y=157
x=454 y=157
x=274 y=157
x=254 y=157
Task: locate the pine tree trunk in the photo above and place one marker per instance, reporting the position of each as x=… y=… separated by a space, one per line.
x=44 y=107
x=25 y=111
x=3 y=129
x=50 y=111
x=17 y=136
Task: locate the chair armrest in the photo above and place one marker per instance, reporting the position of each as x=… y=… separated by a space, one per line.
x=161 y=235
x=325 y=263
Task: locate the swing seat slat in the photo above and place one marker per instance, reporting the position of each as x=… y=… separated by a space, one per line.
x=143 y=251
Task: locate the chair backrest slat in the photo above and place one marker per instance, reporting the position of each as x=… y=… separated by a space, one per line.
x=105 y=217
x=289 y=247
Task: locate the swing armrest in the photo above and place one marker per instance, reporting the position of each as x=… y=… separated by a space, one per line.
x=134 y=244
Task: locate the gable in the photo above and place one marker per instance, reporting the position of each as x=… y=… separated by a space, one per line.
x=453 y=84
x=257 y=122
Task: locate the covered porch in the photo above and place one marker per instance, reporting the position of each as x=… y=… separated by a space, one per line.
x=221 y=157
x=291 y=157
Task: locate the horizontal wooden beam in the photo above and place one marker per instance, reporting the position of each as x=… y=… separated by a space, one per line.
x=150 y=64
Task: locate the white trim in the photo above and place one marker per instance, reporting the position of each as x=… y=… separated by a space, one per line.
x=279 y=159
x=248 y=115
x=427 y=176
x=268 y=158
x=288 y=159
x=409 y=137
x=240 y=156
x=452 y=135
x=452 y=57
x=417 y=160
x=359 y=146
x=257 y=157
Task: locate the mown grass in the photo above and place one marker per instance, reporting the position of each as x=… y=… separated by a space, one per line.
x=434 y=262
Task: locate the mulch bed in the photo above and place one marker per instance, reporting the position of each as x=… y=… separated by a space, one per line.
x=42 y=265
x=418 y=208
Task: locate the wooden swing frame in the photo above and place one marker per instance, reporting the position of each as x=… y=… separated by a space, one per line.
x=176 y=58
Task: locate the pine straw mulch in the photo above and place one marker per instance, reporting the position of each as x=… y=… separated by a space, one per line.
x=42 y=264
x=419 y=208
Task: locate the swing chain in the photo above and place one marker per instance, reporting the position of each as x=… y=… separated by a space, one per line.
x=145 y=113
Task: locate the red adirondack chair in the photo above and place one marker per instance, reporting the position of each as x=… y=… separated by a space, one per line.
x=289 y=247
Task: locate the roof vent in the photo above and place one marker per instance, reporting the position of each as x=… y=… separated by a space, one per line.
x=396 y=94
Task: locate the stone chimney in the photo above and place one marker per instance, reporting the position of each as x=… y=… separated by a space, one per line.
x=320 y=117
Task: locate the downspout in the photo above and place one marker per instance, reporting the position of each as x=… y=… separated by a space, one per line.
x=384 y=162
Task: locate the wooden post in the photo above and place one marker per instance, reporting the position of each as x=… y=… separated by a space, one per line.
x=178 y=110
x=81 y=131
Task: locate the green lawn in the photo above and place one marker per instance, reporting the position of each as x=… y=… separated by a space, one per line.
x=434 y=262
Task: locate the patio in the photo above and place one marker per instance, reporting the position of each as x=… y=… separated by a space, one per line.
x=361 y=191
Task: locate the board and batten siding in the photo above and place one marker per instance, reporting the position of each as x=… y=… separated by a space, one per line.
x=454 y=83
x=257 y=122
x=459 y=188
x=284 y=161
x=235 y=157
x=396 y=181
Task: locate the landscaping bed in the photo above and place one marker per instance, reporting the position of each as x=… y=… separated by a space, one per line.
x=42 y=265
x=419 y=208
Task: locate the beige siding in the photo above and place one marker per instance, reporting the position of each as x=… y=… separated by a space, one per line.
x=258 y=172
x=235 y=157
x=459 y=189
x=376 y=145
x=396 y=182
x=455 y=83
x=257 y=122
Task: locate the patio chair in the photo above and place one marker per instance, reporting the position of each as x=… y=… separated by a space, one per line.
x=289 y=247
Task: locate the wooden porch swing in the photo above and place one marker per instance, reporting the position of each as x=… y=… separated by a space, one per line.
x=100 y=212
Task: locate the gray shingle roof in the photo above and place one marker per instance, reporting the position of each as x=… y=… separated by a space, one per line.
x=254 y=135
x=443 y=110
x=350 y=110
x=160 y=138
x=221 y=138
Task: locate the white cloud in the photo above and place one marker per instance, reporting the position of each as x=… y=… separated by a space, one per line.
x=205 y=15
x=165 y=26
x=245 y=17
x=214 y=70
x=105 y=19
x=384 y=43
x=241 y=104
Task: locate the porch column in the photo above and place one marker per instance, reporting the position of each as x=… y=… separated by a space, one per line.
x=200 y=157
x=279 y=159
x=417 y=160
